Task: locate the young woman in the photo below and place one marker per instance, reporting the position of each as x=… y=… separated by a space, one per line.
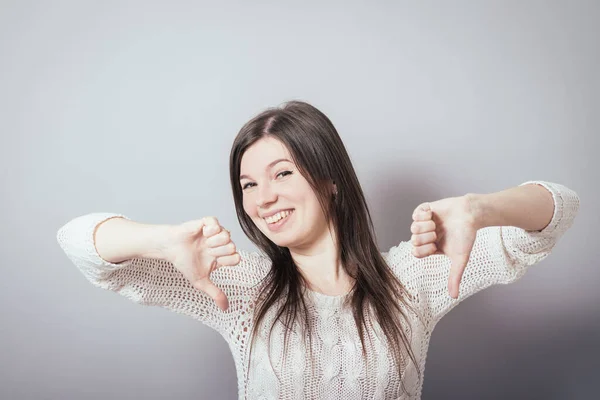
x=319 y=312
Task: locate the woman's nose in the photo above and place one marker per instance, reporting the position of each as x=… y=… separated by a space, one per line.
x=266 y=195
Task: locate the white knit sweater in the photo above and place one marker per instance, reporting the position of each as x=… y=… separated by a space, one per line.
x=500 y=255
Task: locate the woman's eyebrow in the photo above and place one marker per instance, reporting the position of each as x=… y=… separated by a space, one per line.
x=268 y=166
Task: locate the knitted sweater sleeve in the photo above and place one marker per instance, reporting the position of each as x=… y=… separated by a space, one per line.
x=500 y=255
x=154 y=282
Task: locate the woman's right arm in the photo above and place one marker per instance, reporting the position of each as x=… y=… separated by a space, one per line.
x=119 y=239
x=123 y=256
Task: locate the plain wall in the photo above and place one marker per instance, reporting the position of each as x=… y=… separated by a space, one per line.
x=132 y=107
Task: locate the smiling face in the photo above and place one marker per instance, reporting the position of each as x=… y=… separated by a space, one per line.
x=271 y=182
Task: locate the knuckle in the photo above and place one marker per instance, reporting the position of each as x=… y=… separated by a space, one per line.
x=212 y=220
x=217 y=242
x=418 y=240
x=222 y=241
x=415 y=252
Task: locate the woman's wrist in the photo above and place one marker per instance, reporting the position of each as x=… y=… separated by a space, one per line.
x=157 y=237
x=529 y=207
x=477 y=207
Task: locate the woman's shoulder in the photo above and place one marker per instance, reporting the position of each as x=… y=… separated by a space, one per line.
x=405 y=266
x=398 y=255
x=255 y=260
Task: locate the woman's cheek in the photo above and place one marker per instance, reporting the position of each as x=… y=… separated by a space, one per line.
x=249 y=211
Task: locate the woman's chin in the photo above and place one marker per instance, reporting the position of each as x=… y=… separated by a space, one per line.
x=282 y=242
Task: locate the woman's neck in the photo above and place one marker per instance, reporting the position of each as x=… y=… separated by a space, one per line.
x=322 y=268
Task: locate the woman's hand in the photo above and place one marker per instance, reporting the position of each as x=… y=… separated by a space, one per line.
x=198 y=247
x=448 y=227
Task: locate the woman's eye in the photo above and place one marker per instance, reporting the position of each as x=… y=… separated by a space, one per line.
x=283 y=173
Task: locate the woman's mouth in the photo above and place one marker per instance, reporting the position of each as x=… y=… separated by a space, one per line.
x=277 y=221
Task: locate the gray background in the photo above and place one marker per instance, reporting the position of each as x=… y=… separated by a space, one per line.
x=132 y=107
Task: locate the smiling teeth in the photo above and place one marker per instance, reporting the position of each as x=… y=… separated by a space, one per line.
x=274 y=218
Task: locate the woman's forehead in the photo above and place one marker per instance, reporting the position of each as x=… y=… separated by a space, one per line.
x=263 y=154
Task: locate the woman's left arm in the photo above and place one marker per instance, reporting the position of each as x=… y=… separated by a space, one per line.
x=461 y=247
x=529 y=206
x=531 y=218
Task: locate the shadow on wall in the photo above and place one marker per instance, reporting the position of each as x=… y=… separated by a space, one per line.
x=476 y=352
x=473 y=355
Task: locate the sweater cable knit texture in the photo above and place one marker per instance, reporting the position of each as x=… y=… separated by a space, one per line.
x=500 y=255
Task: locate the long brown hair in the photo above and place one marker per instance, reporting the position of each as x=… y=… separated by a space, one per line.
x=319 y=153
